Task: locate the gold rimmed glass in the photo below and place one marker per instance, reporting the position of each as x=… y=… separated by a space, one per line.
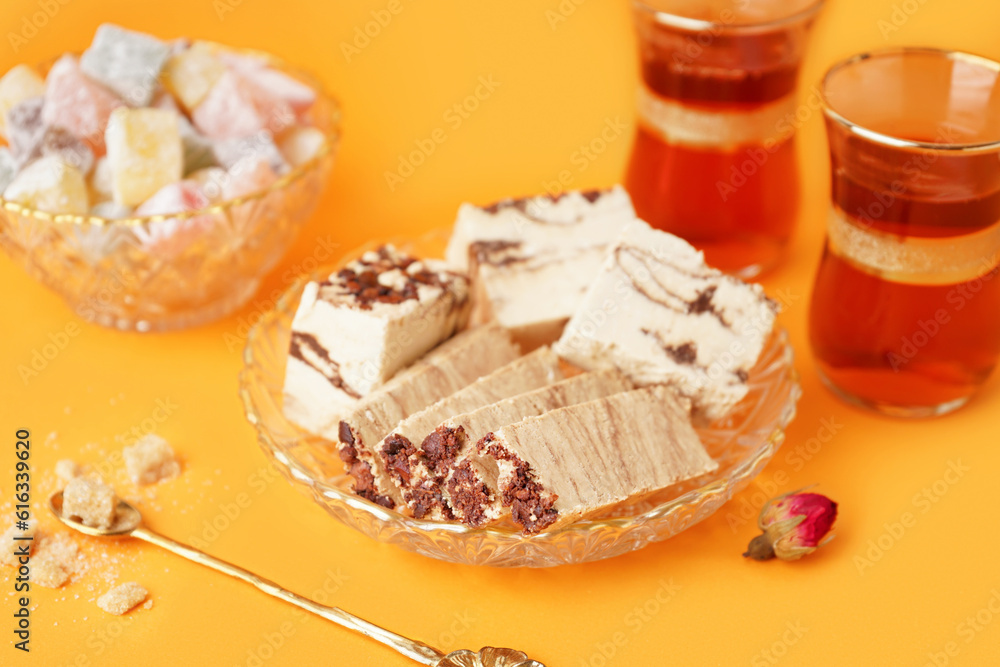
x=905 y=315
x=714 y=157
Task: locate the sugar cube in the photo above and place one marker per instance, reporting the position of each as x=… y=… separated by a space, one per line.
x=198 y=149
x=145 y=152
x=190 y=74
x=127 y=62
x=25 y=127
x=8 y=168
x=248 y=176
x=67 y=469
x=235 y=108
x=49 y=184
x=122 y=598
x=17 y=85
x=9 y=545
x=75 y=102
x=301 y=144
x=91 y=501
x=150 y=460
x=258 y=146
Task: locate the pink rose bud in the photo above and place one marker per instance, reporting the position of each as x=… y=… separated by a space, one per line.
x=794 y=525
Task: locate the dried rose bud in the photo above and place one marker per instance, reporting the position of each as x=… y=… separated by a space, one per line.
x=794 y=525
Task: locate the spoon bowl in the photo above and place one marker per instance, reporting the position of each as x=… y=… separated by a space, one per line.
x=127 y=519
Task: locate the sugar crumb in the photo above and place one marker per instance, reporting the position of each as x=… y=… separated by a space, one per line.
x=150 y=460
x=122 y=598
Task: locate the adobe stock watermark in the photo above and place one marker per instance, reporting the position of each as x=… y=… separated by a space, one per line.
x=454 y=117
x=269 y=643
x=779 y=648
x=364 y=34
x=634 y=621
x=586 y=154
x=230 y=512
x=101 y=640
x=163 y=409
x=967 y=630
x=223 y=8
x=922 y=502
x=323 y=252
x=44 y=354
x=927 y=329
x=754 y=158
x=562 y=12
x=35 y=21
x=866 y=216
x=899 y=16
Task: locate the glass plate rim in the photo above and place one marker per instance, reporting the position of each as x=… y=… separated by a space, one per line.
x=739 y=477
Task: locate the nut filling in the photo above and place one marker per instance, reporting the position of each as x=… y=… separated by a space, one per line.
x=360 y=471
x=469 y=494
x=441 y=447
x=396 y=453
x=530 y=505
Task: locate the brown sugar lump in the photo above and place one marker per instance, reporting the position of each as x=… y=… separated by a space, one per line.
x=67 y=469
x=150 y=460
x=122 y=598
x=55 y=560
x=573 y=462
x=91 y=501
x=16 y=542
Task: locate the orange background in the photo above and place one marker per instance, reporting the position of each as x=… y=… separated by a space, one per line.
x=852 y=603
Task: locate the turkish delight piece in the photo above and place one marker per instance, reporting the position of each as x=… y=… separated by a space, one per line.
x=127 y=62
x=301 y=144
x=25 y=128
x=190 y=74
x=145 y=152
x=235 y=108
x=49 y=184
x=17 y=85
x=77 y=103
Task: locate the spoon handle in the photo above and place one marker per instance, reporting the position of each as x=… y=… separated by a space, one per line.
x=414 y=650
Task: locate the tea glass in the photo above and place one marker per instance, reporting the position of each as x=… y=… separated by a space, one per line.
x=905 y=314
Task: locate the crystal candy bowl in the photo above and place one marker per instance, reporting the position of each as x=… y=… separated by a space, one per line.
x=742 y=444
x=212 y=264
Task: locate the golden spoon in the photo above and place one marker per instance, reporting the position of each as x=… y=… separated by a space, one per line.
x=128 y=522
